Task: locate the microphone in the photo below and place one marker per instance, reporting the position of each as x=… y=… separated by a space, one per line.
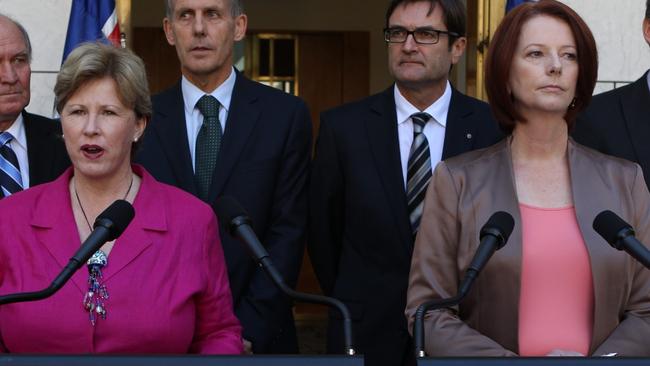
x=230 y=213
x=620 y=235
x=493 y=235
x=108 y=226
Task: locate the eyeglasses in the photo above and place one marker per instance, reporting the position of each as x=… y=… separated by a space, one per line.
x=420 y=35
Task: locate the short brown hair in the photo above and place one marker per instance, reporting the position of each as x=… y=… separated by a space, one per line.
x=455 y=16
x=502 y=49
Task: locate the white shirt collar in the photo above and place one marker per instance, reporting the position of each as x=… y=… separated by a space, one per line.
x=223 y=93
x=438 y=110
x=17 y=130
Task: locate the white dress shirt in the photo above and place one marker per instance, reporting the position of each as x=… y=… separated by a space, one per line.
x=194 y=118
x=19 y=145
x=434 y=130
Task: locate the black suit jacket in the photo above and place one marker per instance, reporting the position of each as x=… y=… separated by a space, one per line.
x=45 y=149
x=263 y=164
x=360 y=238
x=617 y=123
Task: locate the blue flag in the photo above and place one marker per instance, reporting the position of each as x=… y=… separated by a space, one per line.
x=91 y=20
x=511 y=4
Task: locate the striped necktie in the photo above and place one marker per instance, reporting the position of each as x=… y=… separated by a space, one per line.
x=10 y=179
x=208 y=144
x=418 y=174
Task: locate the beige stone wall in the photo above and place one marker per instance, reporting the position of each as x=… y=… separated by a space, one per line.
x=623 y=53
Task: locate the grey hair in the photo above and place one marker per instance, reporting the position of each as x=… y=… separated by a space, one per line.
x=236 y=8
x=28 y=43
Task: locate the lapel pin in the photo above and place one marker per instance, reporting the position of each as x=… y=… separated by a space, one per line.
x=469 y=136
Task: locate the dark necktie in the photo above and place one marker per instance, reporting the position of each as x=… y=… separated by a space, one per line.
x=208 y=143
x=10 y=179
x=418 y=174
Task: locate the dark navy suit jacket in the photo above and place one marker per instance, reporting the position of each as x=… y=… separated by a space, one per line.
x=617 y=123
x=45 y=149
x=263 y=163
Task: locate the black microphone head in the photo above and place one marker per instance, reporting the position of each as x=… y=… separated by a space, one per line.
x=115 y=218
x=612 y=228
x=500 y=224
x=231 y=213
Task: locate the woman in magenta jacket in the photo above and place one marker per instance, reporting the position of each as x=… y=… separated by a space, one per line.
x=162 y=286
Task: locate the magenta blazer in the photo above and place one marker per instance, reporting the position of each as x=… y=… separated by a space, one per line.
x=166 y=277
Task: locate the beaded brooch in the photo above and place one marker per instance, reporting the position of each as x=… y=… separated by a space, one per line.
x=95 y=299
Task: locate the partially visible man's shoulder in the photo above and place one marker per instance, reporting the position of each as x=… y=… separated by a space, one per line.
x=41 y=121
x=602 y=103
x=268 y=93
x=180 y=201
x=476 y=104
x=598 y=99
x=356 y=109
x=165 y=95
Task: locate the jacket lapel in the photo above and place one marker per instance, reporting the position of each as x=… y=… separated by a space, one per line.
x=600 y=253
x=242 y=118
x=502 y=197
x=58 y=234
x=39 y=151
x=459 y=133
x=169 y=125
x=381 y=128
x=149 y=216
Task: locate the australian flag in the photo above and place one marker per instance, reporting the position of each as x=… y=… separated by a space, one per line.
x=92 y=20
x=511 y=4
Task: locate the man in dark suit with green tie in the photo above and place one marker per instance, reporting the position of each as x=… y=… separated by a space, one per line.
x=216 y=133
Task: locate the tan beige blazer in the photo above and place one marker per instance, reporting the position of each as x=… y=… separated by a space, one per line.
x=465 y=191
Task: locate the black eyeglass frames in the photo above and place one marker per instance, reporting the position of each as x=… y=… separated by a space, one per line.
x=420 y=35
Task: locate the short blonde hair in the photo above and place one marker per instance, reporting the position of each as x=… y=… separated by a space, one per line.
x=92 y=61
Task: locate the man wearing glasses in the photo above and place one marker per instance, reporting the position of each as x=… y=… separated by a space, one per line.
x=373 y=162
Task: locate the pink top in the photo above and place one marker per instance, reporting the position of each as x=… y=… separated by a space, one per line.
x=556 y=307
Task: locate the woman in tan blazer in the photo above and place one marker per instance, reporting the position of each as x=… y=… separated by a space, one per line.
x=540 y=73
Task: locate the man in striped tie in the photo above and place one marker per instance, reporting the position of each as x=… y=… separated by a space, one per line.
x=31 y=148
x=373 y=163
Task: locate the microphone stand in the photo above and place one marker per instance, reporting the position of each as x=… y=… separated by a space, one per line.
x=55 y=286
x=269 y=268
x=108 y=226
x=418 y=326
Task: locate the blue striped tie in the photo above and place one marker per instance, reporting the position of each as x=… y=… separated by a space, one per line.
x=10 y=179
x=418 y=173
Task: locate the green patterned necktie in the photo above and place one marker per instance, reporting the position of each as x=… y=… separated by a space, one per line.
x=208 y=143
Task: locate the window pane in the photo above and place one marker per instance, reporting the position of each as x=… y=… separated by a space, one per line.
x=284 y=57
x=265 y=57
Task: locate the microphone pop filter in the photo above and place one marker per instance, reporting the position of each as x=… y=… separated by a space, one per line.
x=500 y=224
x=116 y=218
x=609 y=226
